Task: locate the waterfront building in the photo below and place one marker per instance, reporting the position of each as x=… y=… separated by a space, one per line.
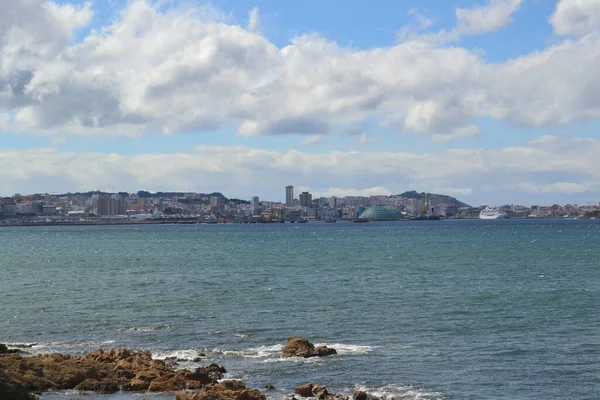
x=305 y=199
x=381 y=213
x=106 y=206
x=216 y=205
x=289 y=196
x=255 y=205
x=332 y=202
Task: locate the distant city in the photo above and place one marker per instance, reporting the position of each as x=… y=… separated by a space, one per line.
x=190 y=207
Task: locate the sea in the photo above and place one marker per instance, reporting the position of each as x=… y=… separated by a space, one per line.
x=454 y=309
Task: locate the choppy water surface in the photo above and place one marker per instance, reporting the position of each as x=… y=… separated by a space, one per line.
x=423 y=310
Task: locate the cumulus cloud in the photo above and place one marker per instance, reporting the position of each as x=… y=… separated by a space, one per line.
x=191 y=69
x=576 y=17
x=494 y=15
x=545 y=168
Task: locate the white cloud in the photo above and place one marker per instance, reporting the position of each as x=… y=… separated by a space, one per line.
x=190 y=69
x=312 y=139
x=558 y=187
x=494 y=15
x=339 y=192
x=253 y=20
x=576 y=17
x=461 y=133
x=531 y=171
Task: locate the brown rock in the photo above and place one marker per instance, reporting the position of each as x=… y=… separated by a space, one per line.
x=233 y=384
x=136 y=385
x=305 y=390
x=11 y=388
x=5 y=350
x=300 y=347
x=251 y=394
x=323 y=351
x=319 y=391
x=104 y=372
x=101 y=387
x=359 y=395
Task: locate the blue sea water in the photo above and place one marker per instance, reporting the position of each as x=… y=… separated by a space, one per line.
x=417 y=310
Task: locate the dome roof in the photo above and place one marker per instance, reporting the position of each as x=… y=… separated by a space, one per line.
x=382 y=213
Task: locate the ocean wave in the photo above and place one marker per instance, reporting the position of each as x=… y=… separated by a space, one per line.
x=402 y=392
x=273 y=353
x=21 y=345
x=180 y=355
x=252 y=352
x=348 y=349
x=163 y=327
x=59 y=347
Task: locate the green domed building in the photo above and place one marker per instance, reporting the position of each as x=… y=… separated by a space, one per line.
x=382 y=213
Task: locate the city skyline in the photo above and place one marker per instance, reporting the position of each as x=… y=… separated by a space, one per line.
x=489 y=101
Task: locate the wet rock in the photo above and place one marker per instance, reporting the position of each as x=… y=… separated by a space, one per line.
x=233 y=385
x=11 y=387
x=359 y=395
x=300 y=347
x=5 y=350
x=270 y=387
x=102 y=372
x=172 y=362
x=323 y=351
x=320 y=392
x=305 y=390
x=220 y=392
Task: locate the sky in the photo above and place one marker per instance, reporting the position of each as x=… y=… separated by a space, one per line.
x=491 y=101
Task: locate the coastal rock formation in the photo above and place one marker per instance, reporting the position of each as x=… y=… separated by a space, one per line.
x=300 y=347
x=226 y=390
x=11 y=388
x=320 y=392
x=359 y=395
x=5 y=350
x=100 y=371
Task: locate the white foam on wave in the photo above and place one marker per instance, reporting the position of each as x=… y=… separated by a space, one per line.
x=402 y=392
x=348 y=349
x=183 y=355
x=253 y=352
x=21 y=345
x=57 y=347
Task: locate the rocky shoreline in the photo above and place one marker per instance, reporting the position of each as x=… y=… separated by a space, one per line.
x=23 y=376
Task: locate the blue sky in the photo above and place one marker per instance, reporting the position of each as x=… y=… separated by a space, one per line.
x=488 y=100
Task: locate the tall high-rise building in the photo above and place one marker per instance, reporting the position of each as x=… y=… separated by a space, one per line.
x=289 y=196
x=305 y=199
x=333 y=202
x=254 y=205
x=216 y=204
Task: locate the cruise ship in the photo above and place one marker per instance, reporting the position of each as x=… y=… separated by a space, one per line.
x=492 y=213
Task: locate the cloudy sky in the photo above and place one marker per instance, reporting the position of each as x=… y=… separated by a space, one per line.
x=492 y=101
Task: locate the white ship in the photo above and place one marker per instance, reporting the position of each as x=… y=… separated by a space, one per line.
x=492 y=213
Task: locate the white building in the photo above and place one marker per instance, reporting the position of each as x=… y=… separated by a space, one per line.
x=332 y=202
x=254 y=205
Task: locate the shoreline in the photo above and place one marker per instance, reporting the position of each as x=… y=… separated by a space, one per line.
x=187 y=221
x=106 y=371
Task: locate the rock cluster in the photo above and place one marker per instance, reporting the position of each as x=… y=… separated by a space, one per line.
x=226 y=390
x=109 y=371
x=100 y=371
x=321 y=393
x=300 y=347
